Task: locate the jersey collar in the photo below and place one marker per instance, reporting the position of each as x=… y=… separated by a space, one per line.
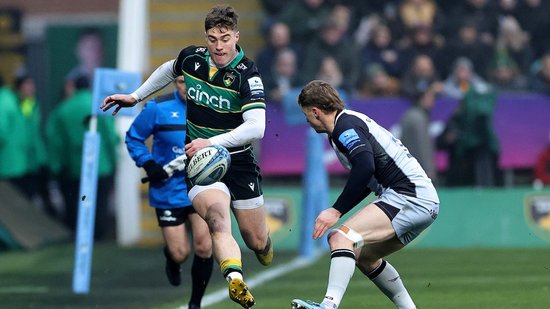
x=232 y=64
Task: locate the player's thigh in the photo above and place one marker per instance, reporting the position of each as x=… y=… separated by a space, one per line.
x=202 y=242
x=211 y=200
x=252 y=220
x=176 y=237
x=372 y=224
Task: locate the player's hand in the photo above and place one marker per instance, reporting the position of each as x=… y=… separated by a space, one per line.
x=196 y=145
x=155 y=171
x=118 y=100
x=325 y=220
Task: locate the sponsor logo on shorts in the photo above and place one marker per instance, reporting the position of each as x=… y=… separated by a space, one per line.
x=167 y=216
x=537 y=214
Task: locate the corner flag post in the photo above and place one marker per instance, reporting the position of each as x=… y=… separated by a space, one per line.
x=86 y=209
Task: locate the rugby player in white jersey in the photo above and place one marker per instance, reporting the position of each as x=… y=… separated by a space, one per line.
x=407 y=204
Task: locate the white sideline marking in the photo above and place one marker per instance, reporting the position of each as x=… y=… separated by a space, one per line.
x=261 y=278
x=24 y=289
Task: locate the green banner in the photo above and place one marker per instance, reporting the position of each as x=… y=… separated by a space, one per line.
x=468 y=218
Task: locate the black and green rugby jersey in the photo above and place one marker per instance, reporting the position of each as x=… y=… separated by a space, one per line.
x=217 y=97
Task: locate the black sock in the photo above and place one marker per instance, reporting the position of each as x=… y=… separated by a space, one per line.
x=201 y=270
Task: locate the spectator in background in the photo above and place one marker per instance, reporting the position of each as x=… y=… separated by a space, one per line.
x=470 y=139
x=513 y=41
x=414 y=13
x=278 y=40
x=373 y=13
x=282 y=77
x=533 y=18
x=415 y=128
x=13 y=139
x=375 y=82
x=381 y=49
x=539 y=81
x=332 y=42
x=463 y=79
x=36 y=179
x=467 y=44
x=272 y=8
x=305 y=19
x=330 y=72
x=419 y=78
x=542 y=165
x=483 y=16
x=421 y=41
x=65 y=130
x=507 y=8
x=504 y=73
x=89 y=52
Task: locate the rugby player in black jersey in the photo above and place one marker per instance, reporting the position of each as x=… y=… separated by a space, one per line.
x=408 y=202
x=225 y=106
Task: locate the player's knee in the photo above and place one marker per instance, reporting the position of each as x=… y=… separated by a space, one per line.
x=253 y=239
x=180 y=254
x=203 y=247
x=343 y=236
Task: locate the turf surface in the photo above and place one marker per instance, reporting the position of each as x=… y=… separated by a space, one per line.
x=134 y=278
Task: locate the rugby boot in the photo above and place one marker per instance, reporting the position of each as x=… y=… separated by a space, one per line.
x=266 y=256
x=239 y=293
x=305 y=304
x=172 y=269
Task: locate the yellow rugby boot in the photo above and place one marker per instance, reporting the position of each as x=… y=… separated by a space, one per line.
x=239 y=293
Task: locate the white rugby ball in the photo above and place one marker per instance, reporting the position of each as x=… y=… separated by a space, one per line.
x=208 y=165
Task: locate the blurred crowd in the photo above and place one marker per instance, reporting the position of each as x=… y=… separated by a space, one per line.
x=468 y=50
x=402 y=47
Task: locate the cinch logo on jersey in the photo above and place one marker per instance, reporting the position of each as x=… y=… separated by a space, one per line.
x=349 y=139
x=196 y=93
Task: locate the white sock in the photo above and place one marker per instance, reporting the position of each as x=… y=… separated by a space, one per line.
x=342 y=266
x=387 y=279
x=232 y=275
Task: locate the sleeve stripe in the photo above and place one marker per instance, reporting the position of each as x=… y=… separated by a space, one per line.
x=253 y=105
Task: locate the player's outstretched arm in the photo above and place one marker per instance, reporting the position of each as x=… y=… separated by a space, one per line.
x=118 y=100
x=161 y=77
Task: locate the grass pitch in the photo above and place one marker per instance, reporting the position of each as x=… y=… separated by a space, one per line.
x=134 y=278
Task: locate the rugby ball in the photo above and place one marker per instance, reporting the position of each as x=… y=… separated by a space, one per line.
x=208 y=165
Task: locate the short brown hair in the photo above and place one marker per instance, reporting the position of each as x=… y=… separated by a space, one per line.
x=221 y=16
x=322 y=95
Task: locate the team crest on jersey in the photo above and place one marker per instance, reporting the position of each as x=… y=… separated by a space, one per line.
x=228 y=78
x=537 y=214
